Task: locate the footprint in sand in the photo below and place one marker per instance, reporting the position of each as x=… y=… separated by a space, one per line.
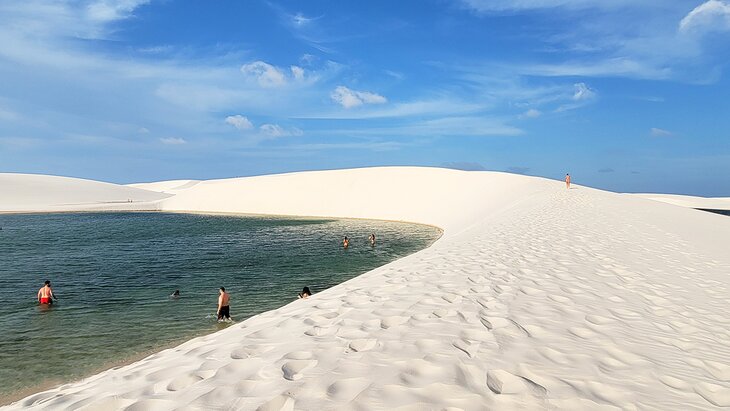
x=347 y=389
x=280 y=403
x=363 y=344
x=504 y=382
x=293 y=369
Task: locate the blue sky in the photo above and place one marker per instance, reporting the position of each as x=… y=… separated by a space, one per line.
x=624 y=95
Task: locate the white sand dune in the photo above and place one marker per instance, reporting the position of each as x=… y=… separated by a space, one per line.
x=41 y=193
x=536 y=297
x=171 y=186
x=709 y=203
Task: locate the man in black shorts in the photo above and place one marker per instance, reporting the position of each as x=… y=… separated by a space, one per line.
x=223 y=309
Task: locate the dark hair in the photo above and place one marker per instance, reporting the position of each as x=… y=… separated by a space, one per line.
x=47 y=282
x=306 y=291
x=223 y=288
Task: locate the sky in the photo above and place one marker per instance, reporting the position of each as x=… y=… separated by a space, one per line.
x=624 y=95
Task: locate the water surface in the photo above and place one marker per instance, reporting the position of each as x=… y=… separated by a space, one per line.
x=114 y=272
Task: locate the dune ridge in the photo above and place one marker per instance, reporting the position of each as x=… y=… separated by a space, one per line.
x=535 y=297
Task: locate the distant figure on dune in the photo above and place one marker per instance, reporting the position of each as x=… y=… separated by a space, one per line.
x=567 y=181
x=45 y=294
x=176 y=294
x=305 y=293
x=371 y=237
x=345 y=242
x=224 y=310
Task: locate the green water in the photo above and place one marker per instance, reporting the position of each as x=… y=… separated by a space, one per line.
x=114 y=272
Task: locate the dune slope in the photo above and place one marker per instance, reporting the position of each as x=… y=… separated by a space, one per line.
x=41 y=193
x=536 y=297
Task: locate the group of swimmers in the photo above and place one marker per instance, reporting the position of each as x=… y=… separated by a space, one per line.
x=46 y=297
x=346 y=241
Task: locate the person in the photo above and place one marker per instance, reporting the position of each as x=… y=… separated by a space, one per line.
x=371 y=237
x=346 y=242
x=224 y=310
x=45 y=294
x=176 y=294
x=567 y=181
x=305 y=293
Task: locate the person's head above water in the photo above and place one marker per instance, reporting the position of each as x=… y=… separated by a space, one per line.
x=223 y=289
x=47 y=283
x=306 y=291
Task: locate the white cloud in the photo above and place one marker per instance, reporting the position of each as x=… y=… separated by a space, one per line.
x=110 y=10
x=276 y=131
x=348 y=98
x=658 y=132
x=583 y=92
x=240 y=122
x=173 y=141
x=297 y=72
x=143 y=130
x=265 y=74
x=531 y=113
x=713 y=15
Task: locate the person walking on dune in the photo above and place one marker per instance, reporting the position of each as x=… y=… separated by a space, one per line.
x=567 y=181
x=45 y=294
x=224 y=310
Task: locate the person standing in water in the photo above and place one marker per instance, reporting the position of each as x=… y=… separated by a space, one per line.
x=567 y=181
x=345 y=242
x=371 y=237
x=45 y=294
x=224 y=310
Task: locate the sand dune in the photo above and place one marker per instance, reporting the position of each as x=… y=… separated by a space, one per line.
x=710 y=203
x=536 y=297
x=40 y=193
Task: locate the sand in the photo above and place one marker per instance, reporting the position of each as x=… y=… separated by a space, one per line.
x=711 y=203
x=41 y=193
x=535 y=297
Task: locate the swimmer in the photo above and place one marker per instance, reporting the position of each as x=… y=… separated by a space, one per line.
x=567 y=181
x=305 y=293
x=345 y=242
x=45 y=294
x=371 y=237
x=223 y=309
x=176 y=294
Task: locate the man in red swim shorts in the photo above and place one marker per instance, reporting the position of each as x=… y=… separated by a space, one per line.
x=45 y=294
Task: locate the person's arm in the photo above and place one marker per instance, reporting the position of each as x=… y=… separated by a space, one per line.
x=220 y=304
x=39 y=296
x=50 y=294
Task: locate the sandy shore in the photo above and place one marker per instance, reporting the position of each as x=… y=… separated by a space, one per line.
x=536 y=297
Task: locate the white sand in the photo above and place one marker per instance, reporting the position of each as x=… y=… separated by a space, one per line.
x=536 y=297
x=710 y=203
x=40 y=193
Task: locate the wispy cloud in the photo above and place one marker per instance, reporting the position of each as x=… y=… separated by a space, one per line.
x=659 y=132
x=277 y=131
x=174 y=141
x=531 y=113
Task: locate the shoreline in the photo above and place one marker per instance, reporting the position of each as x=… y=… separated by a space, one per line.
x=14 y=397
x=534 y=297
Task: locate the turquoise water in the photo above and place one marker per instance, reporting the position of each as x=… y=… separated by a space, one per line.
x=114 y=272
